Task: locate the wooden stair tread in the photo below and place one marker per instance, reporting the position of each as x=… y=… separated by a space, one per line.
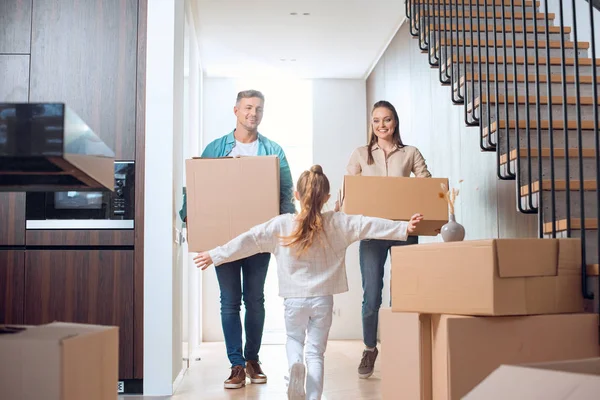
x=561 y=225
x=583 y=61
x=556 y=124
x=554 y=44
x=509 y=28
x=482 y=14
x=560 y=185
x=586 y=79
x=559 y=152
x=593 y=270
x=481 y=2
x=556 y=100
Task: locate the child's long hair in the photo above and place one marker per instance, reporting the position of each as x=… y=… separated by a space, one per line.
x=313 y=188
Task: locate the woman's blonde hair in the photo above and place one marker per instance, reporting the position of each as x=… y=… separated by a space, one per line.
x=313 y=188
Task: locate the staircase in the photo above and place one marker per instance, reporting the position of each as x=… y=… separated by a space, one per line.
x=531 y=89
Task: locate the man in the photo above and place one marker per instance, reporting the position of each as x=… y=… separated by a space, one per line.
x=246 y=141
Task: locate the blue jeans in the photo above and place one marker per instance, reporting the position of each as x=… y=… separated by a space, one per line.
x=251 y=289
x=373 y=254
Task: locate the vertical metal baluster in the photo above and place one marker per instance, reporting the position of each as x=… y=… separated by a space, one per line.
x=530 y=204
x=584 y=286
x=550 y=129
x=509 y=173
x=596 y=126
x=565 y=116
x=489 y=146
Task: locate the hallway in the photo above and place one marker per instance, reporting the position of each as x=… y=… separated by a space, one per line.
x=204 y=379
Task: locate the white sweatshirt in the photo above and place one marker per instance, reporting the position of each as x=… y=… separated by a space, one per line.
x=321 y=269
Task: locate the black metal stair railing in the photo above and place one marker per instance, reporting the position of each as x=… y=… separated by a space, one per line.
x=441 y=27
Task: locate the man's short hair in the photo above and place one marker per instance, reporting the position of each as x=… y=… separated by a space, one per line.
x=247 y=94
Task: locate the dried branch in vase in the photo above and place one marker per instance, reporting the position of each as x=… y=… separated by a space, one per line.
x=450 y=196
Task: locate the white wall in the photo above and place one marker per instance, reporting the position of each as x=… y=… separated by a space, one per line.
x=339 y=127
x=162 y=305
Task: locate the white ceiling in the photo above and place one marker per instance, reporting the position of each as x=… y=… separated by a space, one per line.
x=339 y=39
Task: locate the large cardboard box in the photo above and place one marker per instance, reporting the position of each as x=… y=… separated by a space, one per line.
x=566 y=380
x=60 y=361
x=397 y=199
x=443 y=357
x=405 y=355
x=488 y=277
x=228 y=196
x=467 y=349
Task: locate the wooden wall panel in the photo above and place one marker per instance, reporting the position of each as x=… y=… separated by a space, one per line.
x=84 y=54
x=84 y=286
x=12 y=286
x=15 y=26
x=12 y=219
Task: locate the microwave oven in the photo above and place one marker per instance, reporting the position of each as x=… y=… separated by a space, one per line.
x=86 y=209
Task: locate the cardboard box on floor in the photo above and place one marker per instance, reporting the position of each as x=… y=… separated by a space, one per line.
x=566 y=380
x=227 y=196
x=405 y=355
x=397 y=199
x=60 y=361
x=488 y=277
x=465 y=350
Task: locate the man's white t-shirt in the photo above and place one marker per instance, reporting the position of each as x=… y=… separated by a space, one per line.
x=244 y=149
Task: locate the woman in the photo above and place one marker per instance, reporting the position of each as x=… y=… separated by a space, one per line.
x=385 y=155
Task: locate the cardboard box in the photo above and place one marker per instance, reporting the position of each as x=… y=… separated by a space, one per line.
x=397 y=199
x=488 y=277
x=467 y=349
x=405 y=355
x=60 y=361
x=566 y=380
x=228 y=196
x=443 y=357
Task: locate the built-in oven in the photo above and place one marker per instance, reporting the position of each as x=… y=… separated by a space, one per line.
x=86 y=209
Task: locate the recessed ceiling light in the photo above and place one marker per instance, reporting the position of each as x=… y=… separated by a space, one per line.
x=293 y=13
x=305 y=13
x=282 y=59
x=293 y=59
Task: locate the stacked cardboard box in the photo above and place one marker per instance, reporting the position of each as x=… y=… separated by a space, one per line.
x=461 y=310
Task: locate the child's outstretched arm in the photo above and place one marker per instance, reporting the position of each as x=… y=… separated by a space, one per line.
x=259 y=239
x=379 y=228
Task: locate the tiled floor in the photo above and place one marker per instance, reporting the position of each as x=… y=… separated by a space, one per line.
x=204 y=379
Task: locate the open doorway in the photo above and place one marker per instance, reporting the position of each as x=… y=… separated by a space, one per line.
x=288 y=120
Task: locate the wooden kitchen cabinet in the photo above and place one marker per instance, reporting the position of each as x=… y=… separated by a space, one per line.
x=83 y=53
x=12 y=286
x=12 y=219
x=84 y=286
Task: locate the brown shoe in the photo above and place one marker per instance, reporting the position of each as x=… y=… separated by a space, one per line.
x=367 y=363
x=255 y=372
x=237 y=379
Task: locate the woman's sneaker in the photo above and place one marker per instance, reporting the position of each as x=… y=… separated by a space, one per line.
x=296 y=384
x=367 y=363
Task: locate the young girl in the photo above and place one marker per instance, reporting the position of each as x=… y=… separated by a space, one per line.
x=310 y=249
